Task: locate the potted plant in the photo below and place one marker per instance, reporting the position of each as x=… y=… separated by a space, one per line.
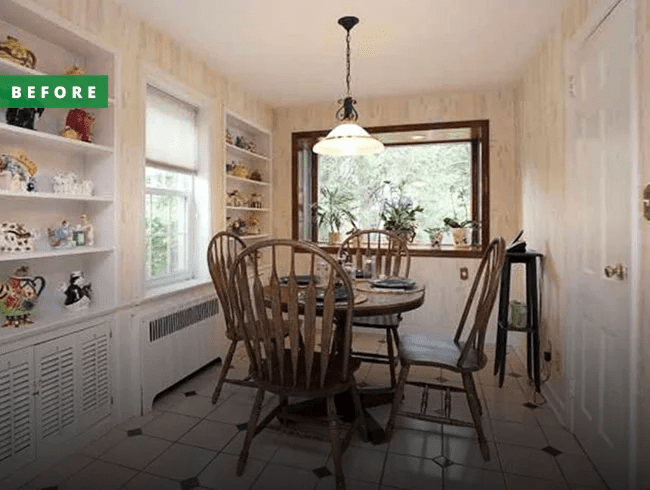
x=435 y=234
x=399 y=213
x=461 y=230
x=333 y=208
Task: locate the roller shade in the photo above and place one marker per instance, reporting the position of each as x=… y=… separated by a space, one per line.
x=171 y=133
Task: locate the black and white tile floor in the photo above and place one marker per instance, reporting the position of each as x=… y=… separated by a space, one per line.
x=187 y=443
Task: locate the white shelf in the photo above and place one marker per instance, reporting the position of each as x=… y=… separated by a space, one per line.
x=242 y=208
x=246 y=153
x=249 y=181
x=45 y=254
x=20 y=136
x=51 y=196
x=10 y=68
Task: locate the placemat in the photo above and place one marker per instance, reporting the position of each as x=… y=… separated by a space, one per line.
x=368 y=288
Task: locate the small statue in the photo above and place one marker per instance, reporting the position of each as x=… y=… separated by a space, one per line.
x=235 y=199
x=87 y=229
x=230 y=166
x=74 y=70
x=240 y=171
x=250 y=146
x=23 y=118
x=61 y=236
x=255 y=175
x=14 y=237
x=240 y=142
x=255 y=200
x=229 y=139
x=12 y=50
x=22 y=171
x=78 y=125
x=77 y=292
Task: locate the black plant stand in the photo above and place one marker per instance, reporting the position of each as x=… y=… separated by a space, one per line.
x=532 y=321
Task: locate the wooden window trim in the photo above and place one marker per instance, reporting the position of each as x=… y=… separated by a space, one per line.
x=480 y=131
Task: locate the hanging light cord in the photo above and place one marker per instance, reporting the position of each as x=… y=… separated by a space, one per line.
x=347 y=112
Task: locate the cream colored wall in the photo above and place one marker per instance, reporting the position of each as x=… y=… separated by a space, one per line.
x=138 y=41
x=445 y=291
x=541 y=156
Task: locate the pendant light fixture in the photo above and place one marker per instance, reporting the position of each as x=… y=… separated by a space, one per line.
x=348 y=138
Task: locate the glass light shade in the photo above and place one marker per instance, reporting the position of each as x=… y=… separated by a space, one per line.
x=348 y=139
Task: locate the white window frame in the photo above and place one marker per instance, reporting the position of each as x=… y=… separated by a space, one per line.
x=199 y=216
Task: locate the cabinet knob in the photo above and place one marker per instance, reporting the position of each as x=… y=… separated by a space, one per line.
x=619 y=271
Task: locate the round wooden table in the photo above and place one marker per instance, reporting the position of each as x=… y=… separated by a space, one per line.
x=384 y=301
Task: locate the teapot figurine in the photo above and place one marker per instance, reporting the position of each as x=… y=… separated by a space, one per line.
x=18 y=297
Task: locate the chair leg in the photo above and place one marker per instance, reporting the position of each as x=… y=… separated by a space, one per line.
x=250 y=431
x=391 y=356
x=480 y=407
x=335 y=442
x=397 y=399
x=472 y=401
x=224 y=371
x=358 y=408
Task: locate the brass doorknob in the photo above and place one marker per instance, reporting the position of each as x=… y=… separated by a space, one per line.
x=619 y=271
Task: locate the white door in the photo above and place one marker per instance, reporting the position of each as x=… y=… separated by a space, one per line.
x=600 y=188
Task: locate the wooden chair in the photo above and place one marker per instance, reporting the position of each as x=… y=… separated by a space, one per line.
x=461 y=356
x=314 y=359
x=392 y=258
x=223 y=249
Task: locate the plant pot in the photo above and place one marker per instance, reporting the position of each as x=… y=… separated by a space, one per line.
x=436 y=239
x=334 y=238
x=462 y=236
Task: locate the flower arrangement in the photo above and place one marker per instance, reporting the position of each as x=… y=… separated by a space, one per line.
x=399 y=212
x=252 y=223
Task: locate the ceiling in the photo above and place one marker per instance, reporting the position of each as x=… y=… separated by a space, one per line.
x=291 y=52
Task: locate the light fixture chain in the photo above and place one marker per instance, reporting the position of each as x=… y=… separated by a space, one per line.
x=347 y=62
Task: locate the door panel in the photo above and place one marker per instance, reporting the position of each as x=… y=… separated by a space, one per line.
x=602 y=184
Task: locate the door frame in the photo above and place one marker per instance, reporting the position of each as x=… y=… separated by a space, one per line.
x=596 y=16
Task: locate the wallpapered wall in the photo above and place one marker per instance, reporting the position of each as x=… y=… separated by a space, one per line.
x=138 y=41
x=541 y=156
x=446 y=293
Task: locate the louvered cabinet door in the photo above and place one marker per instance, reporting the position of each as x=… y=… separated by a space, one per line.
x=17 y=419
x=56 y=378
x=94 y=348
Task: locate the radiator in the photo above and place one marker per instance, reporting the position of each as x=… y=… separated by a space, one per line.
x=175 y=341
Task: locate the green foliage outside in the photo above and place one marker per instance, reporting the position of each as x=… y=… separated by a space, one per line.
x=165 y=216
x=436 y=177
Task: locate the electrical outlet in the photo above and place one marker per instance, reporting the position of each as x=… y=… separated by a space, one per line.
x=547 y=356
x=464 y=274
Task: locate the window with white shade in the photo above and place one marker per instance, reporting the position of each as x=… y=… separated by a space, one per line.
x=172 y=168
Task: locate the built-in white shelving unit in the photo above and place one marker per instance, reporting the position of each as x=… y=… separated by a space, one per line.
x=258 y=161
x=70 y=350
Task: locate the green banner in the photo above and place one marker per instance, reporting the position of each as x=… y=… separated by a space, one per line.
x=62 y=91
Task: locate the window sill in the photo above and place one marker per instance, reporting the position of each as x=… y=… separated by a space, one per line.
x=423 y=250
x=160 y=291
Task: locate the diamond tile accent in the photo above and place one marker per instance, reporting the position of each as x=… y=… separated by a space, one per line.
x=134 y=432
x=552 y=451
x=190 y=393
x=242 y=426
x=530 y=405
x=322 y=472
x=442 y=461
x=190 y=483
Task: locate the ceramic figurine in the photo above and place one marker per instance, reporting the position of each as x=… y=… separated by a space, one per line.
x=15 y=238
x=77 y=292
x=255 y=200
x=70 y=183
x=240 y=171
x=60 y=237
x=18 y=297
x=23 y=118
x=229 y=139
x=78 y=125
x=240 y=142
x=230 y=166
x=74 y=70
x=12 y=50
x=235 y=199
x=250 y=146
x=87 y=229
x=238 y=227
x=255 y=175
x=22 y=171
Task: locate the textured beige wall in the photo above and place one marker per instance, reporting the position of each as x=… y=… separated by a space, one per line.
x=541 y=156
x=121 y=28
x=445 y=291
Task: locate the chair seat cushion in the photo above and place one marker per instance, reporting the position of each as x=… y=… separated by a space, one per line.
x=424 y=350
x=332 y=383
